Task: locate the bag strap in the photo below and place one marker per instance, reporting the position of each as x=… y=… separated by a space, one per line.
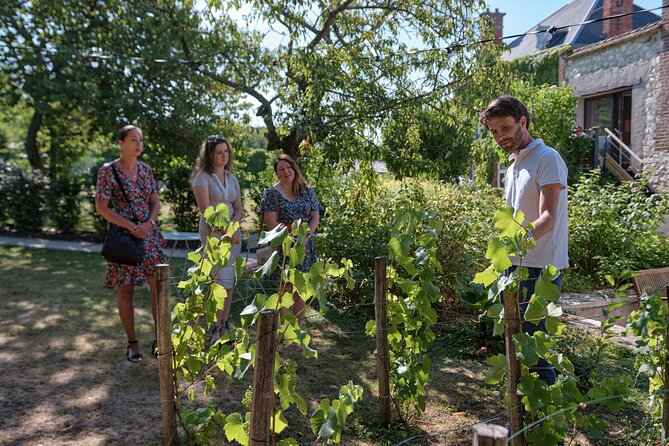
x=276 y=205
x=120 y=185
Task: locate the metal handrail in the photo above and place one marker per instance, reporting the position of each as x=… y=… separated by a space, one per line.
x=622 y=147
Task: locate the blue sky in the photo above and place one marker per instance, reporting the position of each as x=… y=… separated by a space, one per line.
x=521 y=15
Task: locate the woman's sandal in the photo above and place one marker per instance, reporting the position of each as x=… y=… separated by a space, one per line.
x=133 y=357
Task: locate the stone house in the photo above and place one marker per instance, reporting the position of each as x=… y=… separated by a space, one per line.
x=619 y=69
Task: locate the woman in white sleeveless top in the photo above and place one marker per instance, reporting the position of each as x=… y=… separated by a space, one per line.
x=213 y=183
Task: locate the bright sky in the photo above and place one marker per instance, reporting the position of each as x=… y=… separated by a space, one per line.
x=521 y=15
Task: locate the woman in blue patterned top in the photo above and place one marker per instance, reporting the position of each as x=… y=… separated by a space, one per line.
x=296 y=201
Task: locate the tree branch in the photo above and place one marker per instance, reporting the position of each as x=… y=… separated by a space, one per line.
x=328 y=23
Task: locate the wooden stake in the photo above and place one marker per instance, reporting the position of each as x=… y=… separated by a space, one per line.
x=513 y=325
x=262 y=404
x=486 y=434
x=382 y=358
x=165 y=371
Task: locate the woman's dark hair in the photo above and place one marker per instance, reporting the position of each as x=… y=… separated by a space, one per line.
x=205 y=159
x=125 y=130
x=299 y=183
x=505 y=106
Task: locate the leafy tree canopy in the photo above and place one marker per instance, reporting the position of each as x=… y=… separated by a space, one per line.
x=327 y=73
x=47 y=58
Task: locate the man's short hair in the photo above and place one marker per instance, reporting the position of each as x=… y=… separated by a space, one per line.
x=505 y=106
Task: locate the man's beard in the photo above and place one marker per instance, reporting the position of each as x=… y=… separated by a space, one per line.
x=515 y=140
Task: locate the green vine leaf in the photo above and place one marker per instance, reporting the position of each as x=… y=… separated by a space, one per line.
x=240 y=265
x=497 y=253
x=279 y=421
x=422 y=256
x=218 y=295
x=496 y=313
x=498 y=369
x=268 y=267
x=275 y=237
x=528 y=351
x=194 y=257
x=561 y=363
x=323 y=420
x=612 y=391
x=250 y=312
x=288 y=395
x=486 y=277
x=545 y=287
x=207 y=265
x=329 y=420
x=245 y=362
x=536 y=309
x=507 y=221
x=218 y=217
x=535 y=392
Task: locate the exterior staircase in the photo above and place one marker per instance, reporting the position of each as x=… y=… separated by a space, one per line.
x=619 y=159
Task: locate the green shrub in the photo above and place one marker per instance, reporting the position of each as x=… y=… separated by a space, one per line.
x=65 y=203
x=258 y=160
x=577 y=154
x=467 y=213
x=99 y=223
x=614 y=227
x=356 y=226
x=27 y=196
x=179 y=196
x=359 y=216
x=9 y=174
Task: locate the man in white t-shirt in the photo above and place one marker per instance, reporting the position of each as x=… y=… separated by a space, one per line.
x=536 y=183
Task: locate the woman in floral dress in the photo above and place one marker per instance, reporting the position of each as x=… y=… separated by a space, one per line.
x=296 y=201
x=139 y=217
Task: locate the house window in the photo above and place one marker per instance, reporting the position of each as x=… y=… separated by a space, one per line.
x=612 y=111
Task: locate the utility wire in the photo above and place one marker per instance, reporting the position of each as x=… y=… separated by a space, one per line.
x=96 y=56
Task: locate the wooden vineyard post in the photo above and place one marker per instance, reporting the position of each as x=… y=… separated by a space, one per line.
x=382 y=359
x=165 y=371
x=262 y=403
x=513 y=325
x=486 y=434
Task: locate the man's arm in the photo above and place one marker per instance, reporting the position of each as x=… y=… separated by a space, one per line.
x=548 y=202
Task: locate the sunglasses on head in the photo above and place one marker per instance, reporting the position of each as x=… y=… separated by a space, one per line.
x=216 y=138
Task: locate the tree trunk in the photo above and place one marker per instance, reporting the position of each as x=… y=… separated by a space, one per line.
x=31 y=142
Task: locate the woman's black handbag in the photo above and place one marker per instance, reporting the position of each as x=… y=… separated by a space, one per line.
x=120 y=246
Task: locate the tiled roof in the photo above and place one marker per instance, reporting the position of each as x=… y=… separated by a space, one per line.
x=577 y=36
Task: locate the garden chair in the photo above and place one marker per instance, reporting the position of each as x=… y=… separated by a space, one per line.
x=651 y=280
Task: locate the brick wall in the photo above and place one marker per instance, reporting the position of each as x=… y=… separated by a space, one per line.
x=622 y=24
x=662 y=129
x=497 y=19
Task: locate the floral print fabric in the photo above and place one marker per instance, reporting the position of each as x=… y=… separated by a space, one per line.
x=138 y=192
x=289 y=211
